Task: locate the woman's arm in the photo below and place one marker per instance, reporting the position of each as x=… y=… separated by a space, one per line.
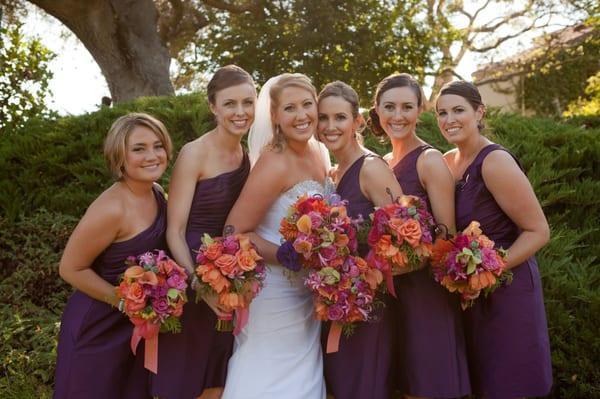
x=439 y=184
x=266 y=182
x=98 y=228
x=376 y=178
x=186 y=173
x=512 y=191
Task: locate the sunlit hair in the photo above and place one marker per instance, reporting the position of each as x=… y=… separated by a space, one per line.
x=348 y=94
x=284 y=81
x=115 y=144
x=225 y=77
x=466 y=90
x=391 y=82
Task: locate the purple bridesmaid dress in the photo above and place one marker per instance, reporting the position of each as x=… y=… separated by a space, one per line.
x=94 y=357
x=362 y=368
x=507 y=334
x=196 y=358
x=432 y=359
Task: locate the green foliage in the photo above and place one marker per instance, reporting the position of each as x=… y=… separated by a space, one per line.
x=358 y=41
x=558 y=75
x=57 y=165
x=24 y=78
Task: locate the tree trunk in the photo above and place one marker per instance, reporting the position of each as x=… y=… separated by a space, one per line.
x=122 y=37
x=444 y=76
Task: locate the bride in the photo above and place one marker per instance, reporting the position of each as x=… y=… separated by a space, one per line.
x=278 y=354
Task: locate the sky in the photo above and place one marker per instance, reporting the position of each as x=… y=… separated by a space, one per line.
x=78 y=85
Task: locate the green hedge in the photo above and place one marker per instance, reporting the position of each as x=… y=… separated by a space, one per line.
x=52 y=170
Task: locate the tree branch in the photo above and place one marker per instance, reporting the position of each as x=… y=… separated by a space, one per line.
x=250 y=5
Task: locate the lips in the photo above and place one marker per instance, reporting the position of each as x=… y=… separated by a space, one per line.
x=240 y=123
x=302 y=126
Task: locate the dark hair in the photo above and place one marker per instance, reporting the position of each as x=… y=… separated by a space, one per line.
x=466 y=90
x=391 y=82
x=227 y=76
x=348 y=94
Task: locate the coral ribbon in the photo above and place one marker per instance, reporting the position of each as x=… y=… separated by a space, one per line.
x=389 y=280
x=333 y=338
x=148 y=331
x=241 y=319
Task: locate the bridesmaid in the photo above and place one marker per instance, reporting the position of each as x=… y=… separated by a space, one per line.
x=362 y=368
x=431 y=345
x=129 y=218
x=207 y=178
x=507 y=335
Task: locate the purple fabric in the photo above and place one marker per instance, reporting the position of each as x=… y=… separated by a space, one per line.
x=94 y=358
x=196 y=358
x=507 y=334
x=362 y=368
x=432 y=359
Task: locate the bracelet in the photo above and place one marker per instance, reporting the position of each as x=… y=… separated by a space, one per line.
x=121 y=305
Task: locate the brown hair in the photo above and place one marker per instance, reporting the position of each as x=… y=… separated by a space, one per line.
x=225 y=77
x=115 y=144
x=348 y=94
x=284 y=81
x=466 y=90
x=391 y=82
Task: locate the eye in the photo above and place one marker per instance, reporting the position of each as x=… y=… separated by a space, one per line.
x=159 y=145
x=322 y=118
x=288 y=108
x=307 y=104
x=249 y=102
x=408 y=107
x=340 y=117
x=458 y=110
x=138 y=149
x=389 y=107
x=442 y=113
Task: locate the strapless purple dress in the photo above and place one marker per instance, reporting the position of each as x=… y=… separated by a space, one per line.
x=196 y=358
x=362 y=368
x=94 y=356
x=507 y=334
x=432 y=359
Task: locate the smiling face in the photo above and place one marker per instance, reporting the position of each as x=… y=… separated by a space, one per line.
x=296 y=114
x=234 y=108
x=145 y=155
x=398 y=110
x=337 y=126
x=457 y=119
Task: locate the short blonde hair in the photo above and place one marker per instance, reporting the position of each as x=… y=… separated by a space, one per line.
x=286 y=80
x=115 y=144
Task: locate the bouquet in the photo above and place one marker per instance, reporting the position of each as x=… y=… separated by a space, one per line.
x=231 y=268
x=321 y=237
x=317 y=232
x=344 y=295
x=153 y=290
x=469 y=264
x=400 y=236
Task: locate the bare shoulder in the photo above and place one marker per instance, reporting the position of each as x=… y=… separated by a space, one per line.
x=432 y=159
x=450 y=154
x=499 y=162
x=271 y=165
x=388 y=157
x=107 y=211
x=190 y=157
x=374 y=167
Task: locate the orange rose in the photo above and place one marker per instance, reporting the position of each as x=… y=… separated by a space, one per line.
x=135 y=293
x=340 y=210
x=361 y=264
x=481 y=280
x=213 y=251
x=399 y=259
x=373 y=277
x=216 y=280
x=178 y=310
x=304 y=224
x=245 y=260
x=410 y=231
x=485 y=242
x=134 y=307
x=228 y=264
x=341 y=240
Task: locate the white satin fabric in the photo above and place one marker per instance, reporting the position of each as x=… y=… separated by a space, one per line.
x=278 y=354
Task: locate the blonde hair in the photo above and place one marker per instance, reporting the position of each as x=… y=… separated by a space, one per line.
x=115 y=144
x=284 y=81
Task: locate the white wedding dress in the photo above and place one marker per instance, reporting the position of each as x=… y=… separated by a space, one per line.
x=278 y=354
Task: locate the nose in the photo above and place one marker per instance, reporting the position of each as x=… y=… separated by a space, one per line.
x=239 y=110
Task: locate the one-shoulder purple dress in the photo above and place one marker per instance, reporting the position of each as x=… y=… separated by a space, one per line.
x=94 y=356
x=432 y=359
x=507 y=334
x=362 y=368
x=196 y=358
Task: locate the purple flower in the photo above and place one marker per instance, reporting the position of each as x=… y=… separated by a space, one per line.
x=160 y=305
x=175 y=280
x=230 y=245
x=313 y=281
x=335 y=312
x=288 y=257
